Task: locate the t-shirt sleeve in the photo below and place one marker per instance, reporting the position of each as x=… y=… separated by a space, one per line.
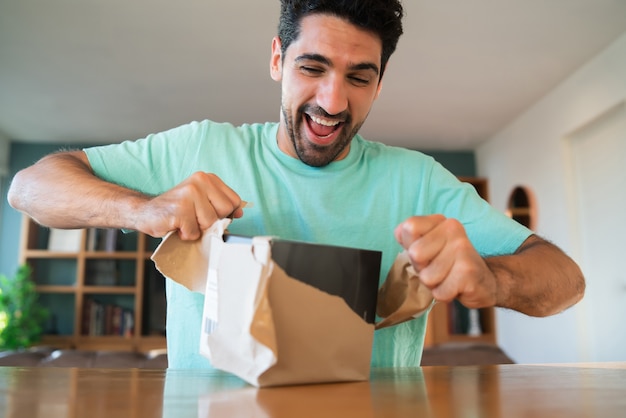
x=148 y=165
x=490 y=231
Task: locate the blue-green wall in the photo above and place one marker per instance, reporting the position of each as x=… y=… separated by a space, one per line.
x=24 y=154
x=460 y=163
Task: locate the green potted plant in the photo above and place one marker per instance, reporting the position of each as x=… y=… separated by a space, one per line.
x=21 y=315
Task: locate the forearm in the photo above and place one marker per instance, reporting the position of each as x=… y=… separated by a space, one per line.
x=538 y=280
x=61 y=191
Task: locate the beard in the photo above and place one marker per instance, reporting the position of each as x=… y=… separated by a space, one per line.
x=312 y=154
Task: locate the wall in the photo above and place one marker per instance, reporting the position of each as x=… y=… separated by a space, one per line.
x=532 y=151
x=460 y=163
x=5 y=147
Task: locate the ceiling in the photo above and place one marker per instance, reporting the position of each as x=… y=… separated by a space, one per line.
x=100 y=71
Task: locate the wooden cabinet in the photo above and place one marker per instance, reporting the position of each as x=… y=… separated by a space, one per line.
x=100 y=287
x=452 y=322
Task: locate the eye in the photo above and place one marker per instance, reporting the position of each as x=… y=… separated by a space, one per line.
x=359 y=81
x=313 y=71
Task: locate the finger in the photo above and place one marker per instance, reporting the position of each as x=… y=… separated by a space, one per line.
x=457 y=268
x=196 y=203
x=225 y=201
x=446 y=291
x=461 y=280
x=191 y=227
x=212 y=199
x=439 y=277
x=415 y=227
x=223 y=206
x=238 y=213
x=427 y=254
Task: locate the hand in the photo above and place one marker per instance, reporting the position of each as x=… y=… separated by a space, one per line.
x=190 y=207
x=446 y=261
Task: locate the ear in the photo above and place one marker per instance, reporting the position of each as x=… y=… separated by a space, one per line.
x=276 y=64
x=378 y=89
x=380 y=85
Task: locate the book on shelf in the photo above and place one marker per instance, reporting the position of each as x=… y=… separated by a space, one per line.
x=474 y=329
x=458 y=318
x=99 y=319
x=462 y=320
x=102 y=273
x=154 y=302
x=101 y=239
x=65 y=240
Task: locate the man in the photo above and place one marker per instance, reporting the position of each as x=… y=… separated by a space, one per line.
x=312 y=178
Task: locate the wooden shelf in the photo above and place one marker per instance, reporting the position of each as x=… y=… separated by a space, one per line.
x=28 y=253
x=110 y=290
x=55 y=289
x=117 y=255
x=89 y=288
x=519 y=211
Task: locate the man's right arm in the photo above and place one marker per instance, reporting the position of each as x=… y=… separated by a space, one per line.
x=61 y=191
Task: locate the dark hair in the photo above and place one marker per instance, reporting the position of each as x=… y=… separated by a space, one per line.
x=382 y=17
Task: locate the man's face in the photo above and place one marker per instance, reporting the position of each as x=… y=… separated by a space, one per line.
x=330 y=78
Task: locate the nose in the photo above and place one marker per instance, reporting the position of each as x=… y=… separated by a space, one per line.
x=332 y=95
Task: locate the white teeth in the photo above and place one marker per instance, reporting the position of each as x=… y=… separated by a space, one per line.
x=324 y=122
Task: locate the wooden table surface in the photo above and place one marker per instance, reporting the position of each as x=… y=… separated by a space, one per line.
x=582 y=390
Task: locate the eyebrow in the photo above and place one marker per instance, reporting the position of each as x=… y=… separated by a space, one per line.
x=323 y=60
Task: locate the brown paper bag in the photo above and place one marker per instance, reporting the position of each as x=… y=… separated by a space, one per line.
x=271 y=329
x=259 y=323
x=402 y=296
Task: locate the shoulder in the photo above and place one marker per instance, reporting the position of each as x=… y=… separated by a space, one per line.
x=192 y=143
x=380 y=149
x=415 y=169
x=208 y=128
x=399 y=157
x=200 y=137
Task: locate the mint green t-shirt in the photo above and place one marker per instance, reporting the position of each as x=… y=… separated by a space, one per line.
x=355 y=202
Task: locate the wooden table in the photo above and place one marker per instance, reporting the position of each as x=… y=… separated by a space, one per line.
x=587 y=390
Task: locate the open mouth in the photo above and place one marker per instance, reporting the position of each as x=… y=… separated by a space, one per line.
x=323 y=131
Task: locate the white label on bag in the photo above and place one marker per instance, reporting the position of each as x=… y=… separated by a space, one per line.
x=211 y=304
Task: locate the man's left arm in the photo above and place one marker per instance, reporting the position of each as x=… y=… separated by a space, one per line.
x=538 y=279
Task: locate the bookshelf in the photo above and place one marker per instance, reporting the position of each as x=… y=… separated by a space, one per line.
x=452 y=322
x=100 y=287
